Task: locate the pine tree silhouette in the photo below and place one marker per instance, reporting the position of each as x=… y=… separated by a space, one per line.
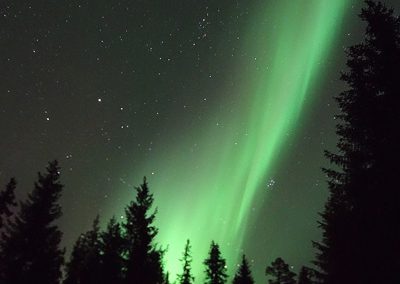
x=243 y=275
x=7 y=200
x=280 y=272
x=144 y=259
x=112 y=248
x=84 y=265
x=360 y=233
x=30 y=250
x=215 y=266
x=186 y=277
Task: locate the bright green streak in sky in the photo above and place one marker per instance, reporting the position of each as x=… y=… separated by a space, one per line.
x=205 y=187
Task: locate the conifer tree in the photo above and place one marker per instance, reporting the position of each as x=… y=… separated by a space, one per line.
x=7 y=200
x=215 y=266
x=280 y=272
x=144 y=259
x=30 y=251
x=360 y=221
x=186 y=277
x=84 y=265
x=112 y=248
x=243 y=275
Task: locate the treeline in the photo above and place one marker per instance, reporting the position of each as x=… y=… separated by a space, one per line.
x=360 y=222
x=122 y=253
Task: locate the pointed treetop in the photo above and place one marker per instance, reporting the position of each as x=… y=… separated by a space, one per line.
x=186 y=277
x=243 y=274
x=215 y=266
x=280 y=272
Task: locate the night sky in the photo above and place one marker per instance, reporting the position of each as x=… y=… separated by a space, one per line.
x=225 y=106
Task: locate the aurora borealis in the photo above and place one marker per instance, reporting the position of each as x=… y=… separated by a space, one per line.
x=225 y=106
x=245 y=152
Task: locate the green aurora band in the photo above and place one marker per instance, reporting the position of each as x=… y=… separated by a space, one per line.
x=208 y=184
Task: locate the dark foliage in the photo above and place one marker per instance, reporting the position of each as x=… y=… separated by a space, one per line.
x=215 y=266
x=186 y=277
x=280 y=272
x=360 y=221
x=30 y=250
x=144 y=259
x=112 y=249
x=7 y=201
x=305 y=276
x=84 y=265
x=243 y=275
x=166 y=278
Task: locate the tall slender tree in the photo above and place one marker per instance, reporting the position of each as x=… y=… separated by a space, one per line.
x=112 y=248
x=30 y=245
x=216 y=272
x=84 y=266
x=144 y=258
x=360 y=221
x=186 y=277
x=243 y=275
x=7 y=201
x=280 y=272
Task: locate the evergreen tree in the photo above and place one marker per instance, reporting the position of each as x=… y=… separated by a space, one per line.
x=186 y=277
x=74 y=267
x=7 y=200
x=305 y=276
x=243 y=275
x=215 y=266
x=144 y=259
x=84 y=265
x=360 y=220
x=30 y=251
x=280 y=272
x=112 y=248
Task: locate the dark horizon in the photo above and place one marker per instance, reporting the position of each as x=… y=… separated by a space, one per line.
x=226 y=109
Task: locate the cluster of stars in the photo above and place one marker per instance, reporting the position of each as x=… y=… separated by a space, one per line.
x=270 y=183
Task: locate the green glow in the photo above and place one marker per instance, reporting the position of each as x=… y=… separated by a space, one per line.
x=205 y=186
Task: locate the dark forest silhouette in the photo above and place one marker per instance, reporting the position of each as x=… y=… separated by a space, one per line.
x=360 y=221
x=29 y=246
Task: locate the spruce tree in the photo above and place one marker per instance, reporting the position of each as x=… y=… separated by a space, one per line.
x=215 y=266
x=74 y=267
x=30 y=245
x=84 y=265
x=186 y=277
x=7 y=200
x=360 y=221
x=112 y=248
x=144 y=259
x=243 y=275
x=280 y=272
